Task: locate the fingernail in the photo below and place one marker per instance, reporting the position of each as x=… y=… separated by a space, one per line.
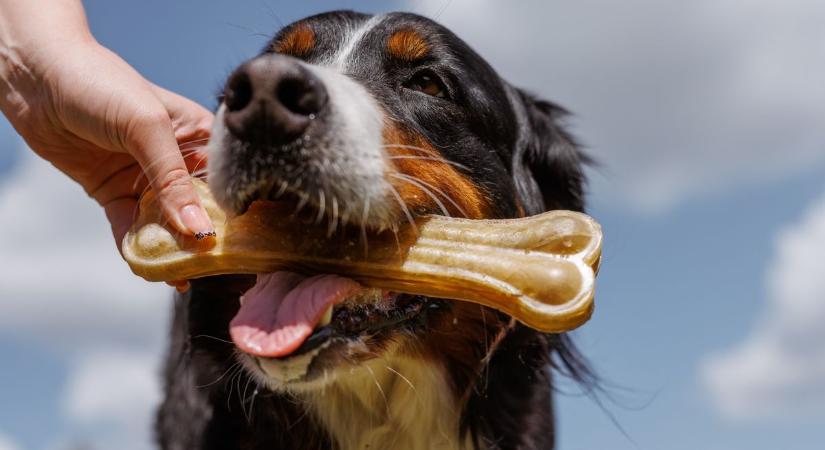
x=204 y=235
x=196 y=220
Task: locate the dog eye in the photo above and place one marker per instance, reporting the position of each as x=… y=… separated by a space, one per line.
x=428 y=83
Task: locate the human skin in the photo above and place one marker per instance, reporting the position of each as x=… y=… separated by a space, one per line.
x=85 y=110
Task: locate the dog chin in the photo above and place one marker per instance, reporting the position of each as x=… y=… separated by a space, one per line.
x=289 y=374
x=300 y=374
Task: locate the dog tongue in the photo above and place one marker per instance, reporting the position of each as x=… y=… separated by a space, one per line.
x=281 y=310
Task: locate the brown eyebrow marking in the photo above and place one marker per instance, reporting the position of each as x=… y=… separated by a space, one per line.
x=407 y=45
x=298 y=41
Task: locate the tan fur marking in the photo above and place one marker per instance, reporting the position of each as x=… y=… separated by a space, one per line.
x=426 y=170
x=298 y=41
x=390 y=403
x=407 y=45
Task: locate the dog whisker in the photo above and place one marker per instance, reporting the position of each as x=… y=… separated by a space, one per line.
x=252 y=402
x=272 y=14
x=213 y=338
x=321 y=206
x=437 y=190
x=364 y=217
x=243 y=398
x=333 y=224
x=282 y=189
x=303 y=199
x=432 y=158
x=380 y=389
x=303 y=415
x=251 y=31
x=404 y=209
x=425 y=190
x=141 y=175
x=184 y=152
x=406 y=380
x=231 y=383
x=197 y=171
x=238 y=380
x=200 y=142
x=232 y=367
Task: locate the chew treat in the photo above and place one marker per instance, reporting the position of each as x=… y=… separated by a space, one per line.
x=539 y=269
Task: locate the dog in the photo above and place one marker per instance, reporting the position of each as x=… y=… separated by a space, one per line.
x=368 y=122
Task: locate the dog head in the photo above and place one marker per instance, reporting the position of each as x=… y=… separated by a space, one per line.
x=368 y=121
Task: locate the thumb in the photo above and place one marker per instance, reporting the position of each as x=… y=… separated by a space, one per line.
x=153 y=145
x=121 y=212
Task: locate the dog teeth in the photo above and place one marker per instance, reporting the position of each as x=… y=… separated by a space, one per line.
x=366 y=296
x=326 y=318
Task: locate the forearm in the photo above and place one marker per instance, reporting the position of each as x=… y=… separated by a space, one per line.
x=32 y=34
x=29 y=24
x=33 y=31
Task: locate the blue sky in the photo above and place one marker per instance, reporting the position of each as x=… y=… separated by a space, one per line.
x=707 y=120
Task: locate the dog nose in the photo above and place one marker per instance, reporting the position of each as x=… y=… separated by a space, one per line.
x=271 y=100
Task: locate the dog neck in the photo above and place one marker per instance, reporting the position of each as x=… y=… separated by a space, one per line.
x=398 y=403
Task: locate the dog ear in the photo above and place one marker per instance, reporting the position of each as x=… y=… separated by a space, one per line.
x=548 y=166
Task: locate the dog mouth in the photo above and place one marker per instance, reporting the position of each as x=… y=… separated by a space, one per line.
x=369 y=313
x=287 y=314
x=311 y=203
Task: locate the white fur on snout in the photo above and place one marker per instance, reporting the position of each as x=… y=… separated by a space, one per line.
x=217 y=172
x=354 y=151
x=346 y=158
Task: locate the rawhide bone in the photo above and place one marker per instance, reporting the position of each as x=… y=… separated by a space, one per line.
x=539 y=269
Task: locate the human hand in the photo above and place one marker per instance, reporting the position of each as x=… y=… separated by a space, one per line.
x=91 y=115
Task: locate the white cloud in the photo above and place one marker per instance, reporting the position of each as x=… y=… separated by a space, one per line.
x=112 y=395
x=6 y=443
x=63 y=281
x=675 y=99
x=779 y=370
x=64 y=287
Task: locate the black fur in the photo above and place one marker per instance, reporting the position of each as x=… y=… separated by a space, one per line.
x=517 y=152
